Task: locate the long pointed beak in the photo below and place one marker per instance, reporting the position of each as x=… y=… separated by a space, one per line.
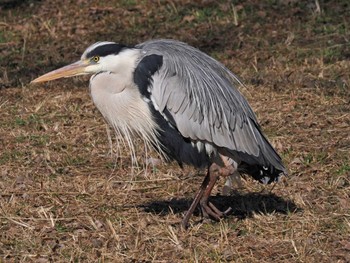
x=74 y=69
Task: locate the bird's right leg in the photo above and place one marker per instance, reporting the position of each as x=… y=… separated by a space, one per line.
x=208 y=208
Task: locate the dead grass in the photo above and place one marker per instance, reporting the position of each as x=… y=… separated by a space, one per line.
x=65 y=198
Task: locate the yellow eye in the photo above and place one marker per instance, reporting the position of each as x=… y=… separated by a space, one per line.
x=95 y=59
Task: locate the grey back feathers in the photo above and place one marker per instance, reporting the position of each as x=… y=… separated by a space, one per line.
x=202 y=98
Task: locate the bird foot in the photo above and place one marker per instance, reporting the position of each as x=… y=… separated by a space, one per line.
x=202 y=195
x=210 y=210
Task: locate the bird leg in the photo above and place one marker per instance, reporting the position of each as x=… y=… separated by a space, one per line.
x=202 y=195
x=208 y=209
x=196 y=200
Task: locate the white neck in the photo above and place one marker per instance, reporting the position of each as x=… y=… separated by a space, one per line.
x=118 y=99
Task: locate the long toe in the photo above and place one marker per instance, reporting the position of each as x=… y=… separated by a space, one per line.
x=215 y=210
x=210 y=211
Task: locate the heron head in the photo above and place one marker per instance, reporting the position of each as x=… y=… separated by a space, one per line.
x=96 y=58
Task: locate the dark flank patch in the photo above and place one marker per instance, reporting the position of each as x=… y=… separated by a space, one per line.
x=175 y=146
x=144 y=72
x=107 y=49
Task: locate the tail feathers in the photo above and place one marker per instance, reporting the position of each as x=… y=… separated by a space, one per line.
x=265 y=175
x=268 y=166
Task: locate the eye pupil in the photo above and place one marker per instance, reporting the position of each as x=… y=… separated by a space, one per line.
x=96 y=58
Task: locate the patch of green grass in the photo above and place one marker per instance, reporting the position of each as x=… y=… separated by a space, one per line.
x=61 y=228
x=60 y=170
x=20 y=122
x=76 y=161
x=325 y=24
x=308 y=159
x=34 y=120
x=215 y=256
x=128 y=3
x=21 y=139
x=207 y=14
x=101 y=208
x=10 y=156
x=155 y=170
x=232 y=226
x=337 y=225
x=320 y=157
x=2 y=37
x=39 y=140
x=304 y=53
x=111 y=165
x=34 y=140
x=273 y=2
x=332 y=53
x=82 y=197
x=344 y=169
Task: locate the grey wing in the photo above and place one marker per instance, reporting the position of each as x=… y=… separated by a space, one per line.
x=200 y=95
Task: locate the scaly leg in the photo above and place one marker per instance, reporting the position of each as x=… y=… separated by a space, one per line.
x=195 y=202
x=208 y=209
x=202 y=196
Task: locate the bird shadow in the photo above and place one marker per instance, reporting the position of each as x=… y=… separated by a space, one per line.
x=243 y=205
x=9 y=4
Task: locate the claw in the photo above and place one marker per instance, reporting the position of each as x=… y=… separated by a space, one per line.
x=228 y=211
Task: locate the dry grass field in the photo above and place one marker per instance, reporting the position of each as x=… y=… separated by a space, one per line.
x=68 y=195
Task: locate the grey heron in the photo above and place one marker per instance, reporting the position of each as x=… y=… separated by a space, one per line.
x=183 y=103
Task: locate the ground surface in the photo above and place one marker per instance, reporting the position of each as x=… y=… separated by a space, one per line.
x=64 y=196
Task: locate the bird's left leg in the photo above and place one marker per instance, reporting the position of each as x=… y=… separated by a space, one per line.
x=196 y=200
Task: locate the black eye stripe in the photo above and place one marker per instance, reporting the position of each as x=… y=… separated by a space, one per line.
x=105 y=50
